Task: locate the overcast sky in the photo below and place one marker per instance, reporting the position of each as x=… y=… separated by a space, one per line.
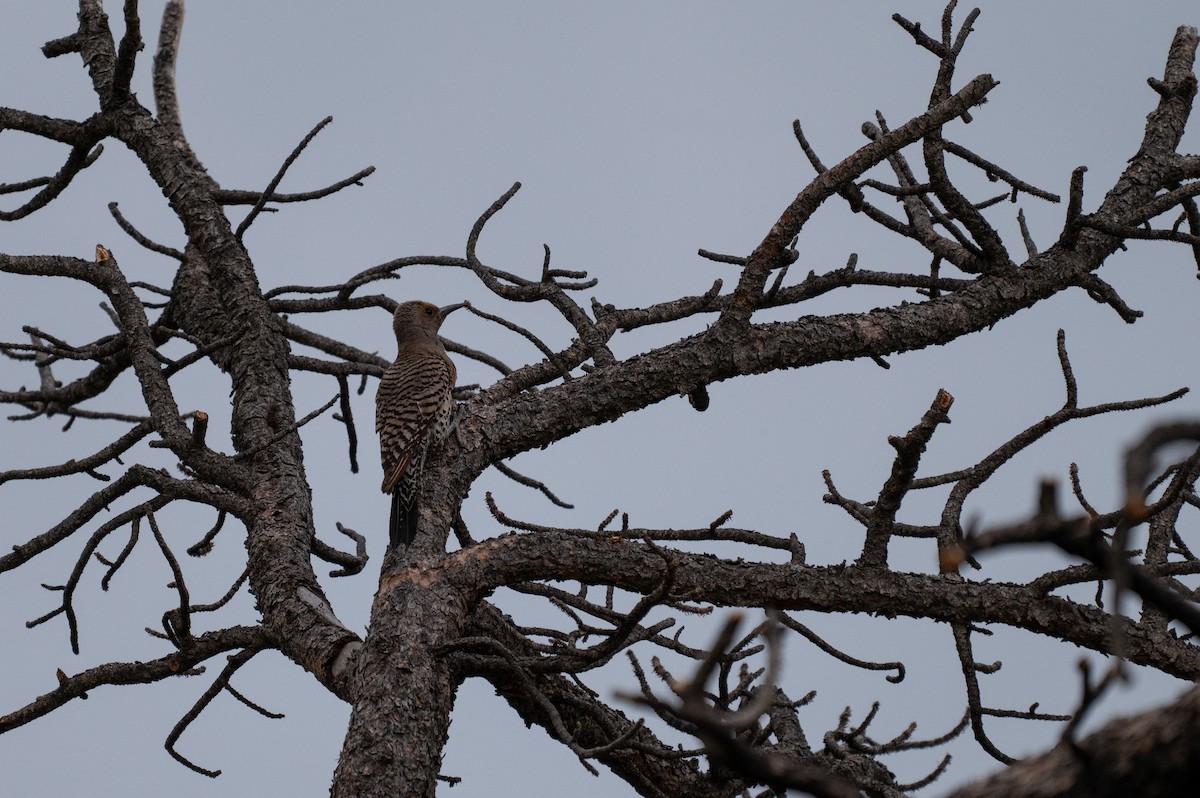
x=641 y=132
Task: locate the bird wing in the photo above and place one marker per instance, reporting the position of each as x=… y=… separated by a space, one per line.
x=413 y=391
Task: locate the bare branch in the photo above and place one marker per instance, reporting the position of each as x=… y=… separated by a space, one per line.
x=270 y=189
x=176 y=623
x=970 y=671
x=87 y=464
x=137 y=236
x=904 y=468
x=232 y=197
x=220 y=683
x=351 y=563
x=528 y=482
x=714 y=728
x=291 y=428
x=770 y=252
x=176 y=663
x=165 y=99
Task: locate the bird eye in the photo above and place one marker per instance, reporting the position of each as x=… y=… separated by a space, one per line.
x=428 y=311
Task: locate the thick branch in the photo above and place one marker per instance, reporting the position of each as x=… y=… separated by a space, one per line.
x=1152 y=755
x=638 y=568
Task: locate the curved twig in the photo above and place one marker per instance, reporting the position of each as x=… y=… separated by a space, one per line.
x=265 y=197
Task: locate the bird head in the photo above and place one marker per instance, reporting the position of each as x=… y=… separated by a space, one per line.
x=417 y=320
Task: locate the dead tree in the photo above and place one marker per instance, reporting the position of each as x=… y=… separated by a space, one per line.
x=434 y=624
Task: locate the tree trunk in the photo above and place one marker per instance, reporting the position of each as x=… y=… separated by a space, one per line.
x=403 y=690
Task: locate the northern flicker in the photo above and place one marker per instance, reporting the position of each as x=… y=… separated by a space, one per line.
x=413 y=409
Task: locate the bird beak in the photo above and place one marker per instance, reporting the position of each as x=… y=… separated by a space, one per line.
x=446 y=311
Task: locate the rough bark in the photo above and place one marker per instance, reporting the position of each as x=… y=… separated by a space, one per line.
x=1155 y=754
x=433 y=623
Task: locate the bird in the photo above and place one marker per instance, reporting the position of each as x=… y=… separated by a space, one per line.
x=413 y=409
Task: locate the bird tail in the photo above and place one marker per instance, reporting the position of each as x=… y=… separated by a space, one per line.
x=402 y=525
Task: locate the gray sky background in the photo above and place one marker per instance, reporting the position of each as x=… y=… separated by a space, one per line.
x=641 y=132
